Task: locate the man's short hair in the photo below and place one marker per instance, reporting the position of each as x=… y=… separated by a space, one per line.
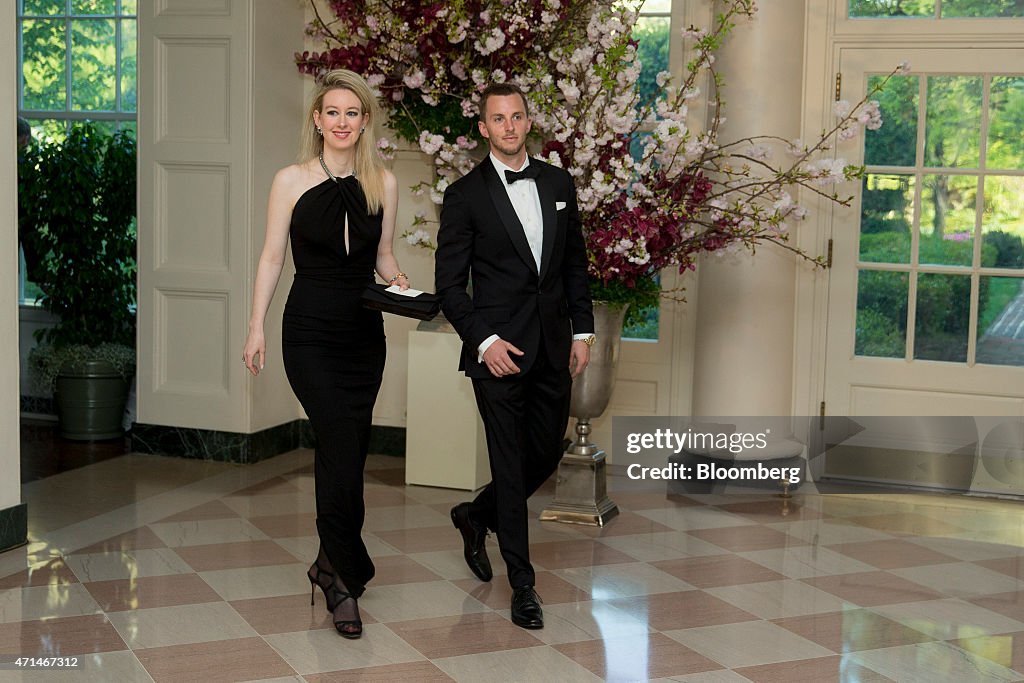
x=501 y=90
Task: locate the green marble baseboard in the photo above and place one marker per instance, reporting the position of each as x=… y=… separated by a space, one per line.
x=13 y=526
x=207 y=444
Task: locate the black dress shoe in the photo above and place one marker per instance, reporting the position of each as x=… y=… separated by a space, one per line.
x=526 y=611
x=473 y=537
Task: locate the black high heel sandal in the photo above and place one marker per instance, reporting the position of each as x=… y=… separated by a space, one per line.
x=349 y=628
x=313 y=575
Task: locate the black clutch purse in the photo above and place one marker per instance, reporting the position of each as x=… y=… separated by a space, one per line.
x=423 y=306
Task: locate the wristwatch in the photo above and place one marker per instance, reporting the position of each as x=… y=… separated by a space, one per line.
x=589 y=341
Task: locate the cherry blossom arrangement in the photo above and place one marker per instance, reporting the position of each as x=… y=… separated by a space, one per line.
x=656 y=190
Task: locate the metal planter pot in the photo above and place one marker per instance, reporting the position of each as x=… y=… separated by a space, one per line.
x=90 y=399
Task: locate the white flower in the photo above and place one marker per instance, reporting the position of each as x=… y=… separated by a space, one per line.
x=758 y=152
x=662 y=78
x=415 y=79
x=903 y=67
x=494 y=41
x=841 y=108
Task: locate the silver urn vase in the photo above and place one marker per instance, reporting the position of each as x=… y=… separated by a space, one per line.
x=581 y=495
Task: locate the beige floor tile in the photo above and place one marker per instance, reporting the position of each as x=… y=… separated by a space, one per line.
x=868 y=589
x=775 y=599
x=852 y=630
x=451 y=565
x=242 y=555
x=420 y=672
x=624 y=523
x=46 y=573
x=969 y=550
x=127 y=564
x=463 y=635
x=834 y=669
x=62 y=636
x=179 y=625
x=272 y=486
x=44 y=602
x=96 y=667
x=404 y=602
x=422 y=540
x=267 y=505
x=806 y=561
x=140 y=538
x=689 y=609
x=823 y=532
x=747 y=538
x=289 y=613
x=607 y=582
x=1006 y=649
x=637 y=658
x=564 y=554
x=151 y=591
x=497 y=593
x=215 y=509
x=1008 y=604
x=717 y=570
x=946 y=662
x=207 y=532
x=949 y=619
x=216 y=662
x=669 y=545
x=748 y=644
x=573 y=622
x=258 y=582
x=719 y=676
x=687 y=518
x=906 y=523
x=412 y=516
x=310 y=652
x=959 y=579
x=396 y=569
x=891 y=554
x=1011 y=566
x=773 y=511
x=531 y=665
x=286 y=526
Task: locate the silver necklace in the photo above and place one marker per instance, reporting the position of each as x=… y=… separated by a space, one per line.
x=328 y=171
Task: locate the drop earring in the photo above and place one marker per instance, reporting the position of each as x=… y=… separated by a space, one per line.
x=318 y=131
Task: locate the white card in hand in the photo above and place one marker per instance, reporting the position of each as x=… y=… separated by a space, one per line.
x=395 y=289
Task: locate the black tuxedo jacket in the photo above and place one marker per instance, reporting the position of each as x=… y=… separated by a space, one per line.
x=481 y=236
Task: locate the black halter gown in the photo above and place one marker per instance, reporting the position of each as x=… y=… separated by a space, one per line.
x=334 y=353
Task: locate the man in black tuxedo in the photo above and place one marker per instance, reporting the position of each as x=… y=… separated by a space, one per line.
x=526 y=330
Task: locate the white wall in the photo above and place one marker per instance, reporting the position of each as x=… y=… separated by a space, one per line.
x=10 y=453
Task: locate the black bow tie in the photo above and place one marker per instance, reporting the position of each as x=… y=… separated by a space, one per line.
x=531 y=171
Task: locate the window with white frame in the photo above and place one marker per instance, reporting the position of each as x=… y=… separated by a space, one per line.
x=76 y=62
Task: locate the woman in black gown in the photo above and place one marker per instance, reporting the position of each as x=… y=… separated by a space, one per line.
x=337 y=206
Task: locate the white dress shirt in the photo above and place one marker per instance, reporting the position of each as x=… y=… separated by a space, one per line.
x=526 y=202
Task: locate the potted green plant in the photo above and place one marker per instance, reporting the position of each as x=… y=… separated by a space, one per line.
x=76 y=201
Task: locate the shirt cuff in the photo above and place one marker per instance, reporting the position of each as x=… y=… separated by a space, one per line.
x=580 y=337
x=484 y=345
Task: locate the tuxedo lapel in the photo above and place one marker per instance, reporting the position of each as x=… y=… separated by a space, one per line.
x=550 y=216
x=507 y=213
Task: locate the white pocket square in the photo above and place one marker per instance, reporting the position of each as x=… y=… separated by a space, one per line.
x=559 y=206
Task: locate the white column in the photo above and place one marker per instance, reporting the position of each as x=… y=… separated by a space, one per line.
x=745 y=316
x=10 y=455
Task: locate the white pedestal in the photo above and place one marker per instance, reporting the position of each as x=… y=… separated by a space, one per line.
x=445 y=443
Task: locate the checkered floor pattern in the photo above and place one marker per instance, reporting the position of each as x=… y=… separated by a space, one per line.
x=160 y=569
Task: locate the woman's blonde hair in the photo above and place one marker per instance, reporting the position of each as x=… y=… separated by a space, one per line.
x=369 y=168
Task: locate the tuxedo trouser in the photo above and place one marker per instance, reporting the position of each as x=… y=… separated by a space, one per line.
x=524 y=418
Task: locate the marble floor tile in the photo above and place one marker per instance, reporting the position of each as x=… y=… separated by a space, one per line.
x=717 y=570
x=1011 y=566
x=624 y=523
x=309 y=652
x=969 y=550
x=288 y=613
x=207 y=532
x=806 y=561
x=576 y=621
x=45 y=602
x=216 y=662
x=748 y=644
x=420 y=672
x=240 y=555
x=215 y=509
x=412 y=516
x=773 y=511
x=63 y=636
x=564 y=554
x=834 y=669
x=45 y=573
x=151 y=591
x=891 y=554
x=157 y=627
x=127 y=564
x=276 y=504
x=686 y=518
x=959 y=579
x=747 y=538
x=1005 y=649
x=906 y=523
x=825 y=532
x=637 y=658
x=610 y=581
x=689 y=609
x=873 y=588
x=422 y=540
x=394 y=569
x=136 y=539
x=451 y=565
x=408 y=601
x=775 y=599
x=669 y=545
x=719 y=676
x=649 y=500
x=945 y=662
x=286 y=526
x=497 y=593
x=1008 y=604
x=464 y=634
x=96 y=667
x=530 y=665
x=274 y=485
x=258 y=582
x=852 y=630
x=949 y=619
